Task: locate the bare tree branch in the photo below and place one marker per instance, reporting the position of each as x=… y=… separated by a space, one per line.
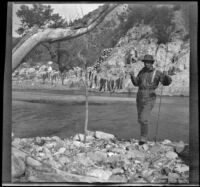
x=54 y=35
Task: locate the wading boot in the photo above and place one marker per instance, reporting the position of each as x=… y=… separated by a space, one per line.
x=143 y=140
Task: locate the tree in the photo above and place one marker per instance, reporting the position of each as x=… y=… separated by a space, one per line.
x=41 y=16
x=38 y=15
x=41 y=35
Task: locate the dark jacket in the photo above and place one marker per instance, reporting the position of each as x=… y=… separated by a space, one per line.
x=144 y=79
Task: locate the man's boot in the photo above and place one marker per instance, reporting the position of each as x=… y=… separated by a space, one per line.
x=143 y=140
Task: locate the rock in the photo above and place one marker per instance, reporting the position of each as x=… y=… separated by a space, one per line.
x=50 y=145
x=61 y=150
x=18 y=153
x=171 y=155
x=145 y=147
x=182 y=169
x=179 y=147
x=111 y=154
x=117 y=171
x=155 y=149
x=103 y=135
x=56 y=138
x=166 y=142
x=32 y=162
x=18 y=166
x=119 y=150
x=118 y=178
x=64 y=160
x=99 y=173
x=147 y=173
x=80 y=137
x=135 y=154
x=78 y=144
x=97 y=156
x=41 y=154
x=173 y=178
x=165 y=171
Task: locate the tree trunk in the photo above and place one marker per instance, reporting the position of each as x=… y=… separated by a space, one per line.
x=86 y=104
x=54 y=35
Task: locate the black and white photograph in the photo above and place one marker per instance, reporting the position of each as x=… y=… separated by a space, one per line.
x=100 y=93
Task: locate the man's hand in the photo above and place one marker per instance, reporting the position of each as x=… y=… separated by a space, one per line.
x=131 y=72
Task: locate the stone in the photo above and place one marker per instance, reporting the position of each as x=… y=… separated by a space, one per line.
x=78 y=144
x=97 y=156
x=173 y=178
x=32 y=162
x=117 y=171
x=50 y=145
x=111 y=154
x=118 y=178
x=103 y=135
x=18 y=166
x=119 y=150
x=171 y=155
x=179 y=147
x=145 y=147
x=80 y=137
x=135 y=154
x=166 y=142
x=56 y=138
x=165 y=170
x=64 y=160
x=147 y=173
x=181 y=169
x=61 y=150
x=99 y=173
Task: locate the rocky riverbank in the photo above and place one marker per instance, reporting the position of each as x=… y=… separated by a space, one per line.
x=103 y=158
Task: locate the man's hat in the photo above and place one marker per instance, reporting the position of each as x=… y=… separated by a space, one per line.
x=148 y=58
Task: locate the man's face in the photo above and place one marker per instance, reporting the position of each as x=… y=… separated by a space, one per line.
x=148 y=64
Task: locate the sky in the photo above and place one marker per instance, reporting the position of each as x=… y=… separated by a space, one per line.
x=68 y=11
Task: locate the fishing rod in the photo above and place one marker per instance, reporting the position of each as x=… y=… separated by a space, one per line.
x=155 y=138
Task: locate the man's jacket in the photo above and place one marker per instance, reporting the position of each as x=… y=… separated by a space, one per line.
x=148 y=80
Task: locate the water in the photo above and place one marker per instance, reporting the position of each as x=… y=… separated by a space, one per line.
x=30 y=119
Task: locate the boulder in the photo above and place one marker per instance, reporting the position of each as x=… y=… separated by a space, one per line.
x=32 y=162
x=103 y=135
x=18 y=166
x=179 y=147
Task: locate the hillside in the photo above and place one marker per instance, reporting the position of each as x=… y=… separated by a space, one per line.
x=152 y=29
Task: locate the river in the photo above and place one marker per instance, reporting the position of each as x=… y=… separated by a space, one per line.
x=62 y=113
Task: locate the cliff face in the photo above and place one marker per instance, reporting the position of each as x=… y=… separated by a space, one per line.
x=172 y=56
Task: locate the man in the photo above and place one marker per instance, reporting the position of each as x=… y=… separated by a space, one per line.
x=147 y=80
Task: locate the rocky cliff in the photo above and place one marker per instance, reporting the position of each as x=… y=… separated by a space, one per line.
x=172 y=55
